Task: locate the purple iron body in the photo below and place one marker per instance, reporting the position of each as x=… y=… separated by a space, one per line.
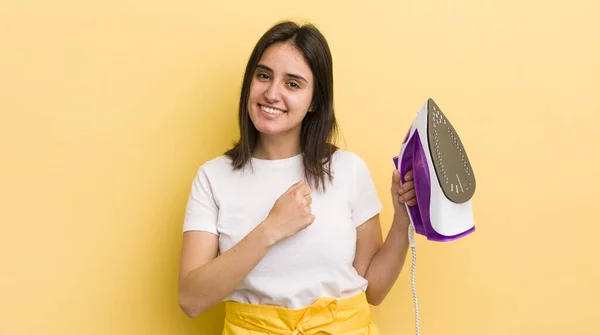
x=444 y=180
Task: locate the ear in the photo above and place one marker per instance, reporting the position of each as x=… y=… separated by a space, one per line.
x=311 y=109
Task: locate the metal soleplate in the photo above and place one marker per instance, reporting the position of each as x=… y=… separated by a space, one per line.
x=450 y=160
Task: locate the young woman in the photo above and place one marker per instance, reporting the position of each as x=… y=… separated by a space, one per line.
x=285 y=227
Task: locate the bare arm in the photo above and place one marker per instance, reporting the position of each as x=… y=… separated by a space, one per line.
x=380 y=263
x=205 y=279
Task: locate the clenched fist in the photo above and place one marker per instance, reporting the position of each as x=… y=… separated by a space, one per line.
x=403 y=193
x=290 y=213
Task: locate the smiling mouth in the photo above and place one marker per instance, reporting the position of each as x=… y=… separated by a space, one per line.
x=271 y=110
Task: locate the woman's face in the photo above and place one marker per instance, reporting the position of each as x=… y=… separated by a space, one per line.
x=281 y=91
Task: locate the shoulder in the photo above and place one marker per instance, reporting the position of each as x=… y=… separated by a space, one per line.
x=347 y=160
x=216 y=162
x=215 y=167
x=349 y=166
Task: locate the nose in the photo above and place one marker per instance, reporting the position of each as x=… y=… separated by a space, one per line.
x=272 y=93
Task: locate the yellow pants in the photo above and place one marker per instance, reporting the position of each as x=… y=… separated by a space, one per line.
x=351 y=316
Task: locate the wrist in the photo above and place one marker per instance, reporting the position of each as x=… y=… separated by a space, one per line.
x=267 y=234
x=401 y=219
x=400 y=212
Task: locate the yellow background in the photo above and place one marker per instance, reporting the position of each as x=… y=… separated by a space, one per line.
x=109 y=107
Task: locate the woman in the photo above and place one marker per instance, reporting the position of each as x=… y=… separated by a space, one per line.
x=284 y=227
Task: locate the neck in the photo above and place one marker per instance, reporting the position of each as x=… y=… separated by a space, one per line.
x=277 y=147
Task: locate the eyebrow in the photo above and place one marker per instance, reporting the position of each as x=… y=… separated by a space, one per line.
x=264 y=67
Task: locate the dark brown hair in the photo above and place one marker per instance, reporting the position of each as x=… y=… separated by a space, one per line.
x=319 y=127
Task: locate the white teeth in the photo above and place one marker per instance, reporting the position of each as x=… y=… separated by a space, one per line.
x=271 y=110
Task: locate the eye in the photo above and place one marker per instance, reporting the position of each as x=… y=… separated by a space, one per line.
x=293 y=84
x=262 y=76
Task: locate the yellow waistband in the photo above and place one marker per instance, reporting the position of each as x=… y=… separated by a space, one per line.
x=351 y=316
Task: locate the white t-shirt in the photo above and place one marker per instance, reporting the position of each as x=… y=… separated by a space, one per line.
x=315 y=262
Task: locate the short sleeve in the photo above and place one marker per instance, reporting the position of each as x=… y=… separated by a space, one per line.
x=365 y=201
x=201 y=211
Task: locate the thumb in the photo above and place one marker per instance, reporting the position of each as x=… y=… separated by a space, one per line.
x=299 y=196
x=295 y=186
x=396 y=177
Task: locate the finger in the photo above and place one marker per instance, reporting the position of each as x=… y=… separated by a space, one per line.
x=298 y=196
x=396 y=177
x=305 y=190
x=409 y=185
x=409 y=175
x=408 y=196
x=412 y=202
x=307 y=209
x=307 y=200
x=295 y=186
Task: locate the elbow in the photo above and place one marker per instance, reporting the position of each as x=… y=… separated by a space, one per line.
x=374 y=298
x=189 y=312
x=374 y=301
x=190 y=307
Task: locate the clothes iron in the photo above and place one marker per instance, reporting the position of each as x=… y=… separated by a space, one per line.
x=443 y=177
x=444 y=183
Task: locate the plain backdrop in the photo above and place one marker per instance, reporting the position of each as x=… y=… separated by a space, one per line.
x=107 y=109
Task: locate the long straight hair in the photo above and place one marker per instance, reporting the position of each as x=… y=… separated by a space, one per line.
x=319 y=127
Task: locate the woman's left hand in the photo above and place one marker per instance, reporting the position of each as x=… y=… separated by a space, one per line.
x=403 y=193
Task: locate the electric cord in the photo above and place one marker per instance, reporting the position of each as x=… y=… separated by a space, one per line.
x=411 y=241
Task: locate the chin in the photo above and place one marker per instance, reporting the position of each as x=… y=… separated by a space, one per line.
x=268 y=130
x=270 y=127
